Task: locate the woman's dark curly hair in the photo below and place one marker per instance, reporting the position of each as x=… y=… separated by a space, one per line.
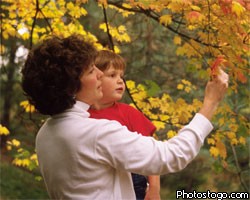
x=52 y=71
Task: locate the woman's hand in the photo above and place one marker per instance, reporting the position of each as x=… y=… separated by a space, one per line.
x=214 y=93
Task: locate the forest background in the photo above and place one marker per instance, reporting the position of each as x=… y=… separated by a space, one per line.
x=171 y=47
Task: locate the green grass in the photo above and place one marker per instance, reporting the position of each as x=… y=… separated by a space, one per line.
x=16 y=183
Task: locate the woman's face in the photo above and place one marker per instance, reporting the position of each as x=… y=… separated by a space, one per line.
x=91 y=86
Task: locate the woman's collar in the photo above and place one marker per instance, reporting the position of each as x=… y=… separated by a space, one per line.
x=82 y=105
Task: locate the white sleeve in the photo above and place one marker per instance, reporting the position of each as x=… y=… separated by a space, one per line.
x=125 y=150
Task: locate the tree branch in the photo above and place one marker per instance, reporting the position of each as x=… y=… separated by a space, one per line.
x=34 y=22
x=111 y=43
x=156 y=17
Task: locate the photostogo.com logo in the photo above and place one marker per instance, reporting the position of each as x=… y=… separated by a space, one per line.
x=211 y=195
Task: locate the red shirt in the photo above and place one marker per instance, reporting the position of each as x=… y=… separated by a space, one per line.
x=128 y=116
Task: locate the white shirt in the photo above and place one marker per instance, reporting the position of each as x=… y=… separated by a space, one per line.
x=83 y=158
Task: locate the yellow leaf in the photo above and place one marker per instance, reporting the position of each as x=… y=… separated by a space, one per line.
x=27 y=106
x=186 y=82
x=165 y=108
x=151 y=115
x=33 y=157
x=174 y=6
x=76 y=11
x=141 y=87
x=17 y=162
x=231 y=135
x=180 y=86
x=25 y=162
x=214 y=151
x=3 y=49
x=237 y=8
x=139 y=97
x=25 y=36
x=233 y=127
x=125 y=5
x=191 y=27
x=187 y=89
x=121 y=29
x=196 y=8
x=221 y=121
x=21 y=162
x=171 y=133
x=103 y=27
x=211 y=141
x=153 y=102
x=4 y=130
x=130 y=84
x=83 y=12
x=20 y=150
x=118 y=33
x=166 y=19
x=242 y=140
x=222 y=149
x=234 y=141
x=180 y=51
x=164 y=117
x=117 y=50
x=197 y=103
x=15 y=142
x=175 y=120
x=9 y=147
x=159 y=125
x=177 y=40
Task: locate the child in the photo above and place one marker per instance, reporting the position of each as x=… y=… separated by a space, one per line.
x=113 y=87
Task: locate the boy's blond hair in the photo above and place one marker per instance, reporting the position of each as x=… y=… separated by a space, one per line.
x=107 y=58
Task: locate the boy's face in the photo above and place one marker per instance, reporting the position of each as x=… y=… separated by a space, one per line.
x=113 y=86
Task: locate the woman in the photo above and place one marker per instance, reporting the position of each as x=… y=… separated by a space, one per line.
x=84 y=158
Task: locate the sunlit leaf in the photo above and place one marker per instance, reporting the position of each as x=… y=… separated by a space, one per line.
x=237 y=8
x=4 y=130
x=166 y=19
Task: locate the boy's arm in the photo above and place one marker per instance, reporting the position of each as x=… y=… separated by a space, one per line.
x=153 y=192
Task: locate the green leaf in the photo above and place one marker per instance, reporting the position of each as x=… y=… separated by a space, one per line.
x=152 y=88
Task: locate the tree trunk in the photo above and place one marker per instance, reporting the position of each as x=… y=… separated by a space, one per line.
x=7 y=91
